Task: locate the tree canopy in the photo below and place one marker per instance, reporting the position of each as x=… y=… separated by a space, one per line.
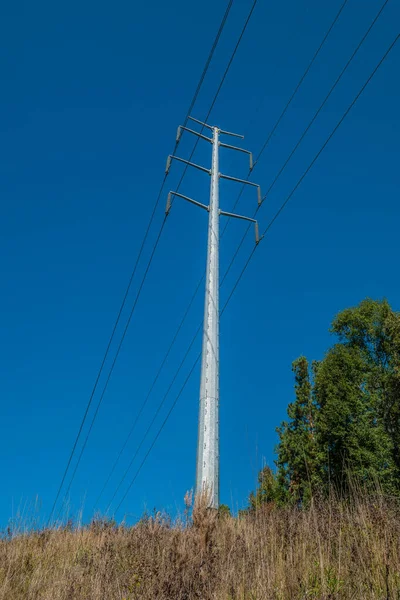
x=344 y=422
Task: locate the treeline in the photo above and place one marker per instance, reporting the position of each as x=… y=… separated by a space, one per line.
x=343 y=426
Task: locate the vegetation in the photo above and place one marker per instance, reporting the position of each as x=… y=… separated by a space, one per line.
x=324 y=525
x=344 y=424
x=331 y=550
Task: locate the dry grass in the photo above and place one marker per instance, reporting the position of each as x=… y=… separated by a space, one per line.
x=330 y=551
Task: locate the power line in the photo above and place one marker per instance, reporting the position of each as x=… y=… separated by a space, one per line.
x=307 y=128
x=138 y=415
x=277 y=123
x=326 y=98
x=192 y=103
x=232 y=57
x=206 y=66
x=219 y=89
x=155 y=415
x=153 y=251
x=199 y=283
x=284 y=204
x=296 y=89
x=114 y=361
x=151 y=259
x=159 y=432
x=161 y=404
x=272 y=221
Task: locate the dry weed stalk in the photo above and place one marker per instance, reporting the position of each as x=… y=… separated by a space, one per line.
x=331 y=551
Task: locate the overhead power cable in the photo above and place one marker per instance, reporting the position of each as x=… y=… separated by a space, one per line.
x=288 y=198
x=159 y=432
x=206 y=66
x=218 y=90
x=179 y=184
x=288 y=103
x=142 y=407
x=317 y=112
x=296 y=89
x=151 y=260
x=272 y=221
x=326 y=98
x=113 y=364
x=192 y=103
x=154 y=417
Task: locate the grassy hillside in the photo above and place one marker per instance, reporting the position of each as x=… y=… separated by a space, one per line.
x=329 y=551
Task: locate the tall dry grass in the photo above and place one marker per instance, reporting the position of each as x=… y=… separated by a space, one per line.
x=333 y=550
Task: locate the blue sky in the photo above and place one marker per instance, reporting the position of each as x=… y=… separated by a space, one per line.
x=91 y=97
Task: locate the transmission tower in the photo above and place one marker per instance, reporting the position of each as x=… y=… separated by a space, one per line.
x=207 y=467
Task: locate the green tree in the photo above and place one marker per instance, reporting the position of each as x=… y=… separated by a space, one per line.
x=373 y=330
x=268 y=490
x=344 y=423
x=298 y=449
x=351 y=435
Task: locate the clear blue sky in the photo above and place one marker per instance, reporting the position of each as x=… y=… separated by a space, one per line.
x=91 y=97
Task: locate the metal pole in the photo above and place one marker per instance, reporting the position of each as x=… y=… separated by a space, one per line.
x=207 y=463
x=207 y=475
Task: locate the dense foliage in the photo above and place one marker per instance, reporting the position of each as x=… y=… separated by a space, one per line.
x=344 y=423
